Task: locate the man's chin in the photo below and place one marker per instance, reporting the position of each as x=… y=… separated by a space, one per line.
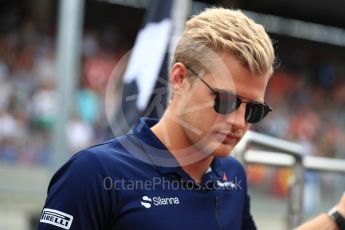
x=223 y=150
x=217 y=148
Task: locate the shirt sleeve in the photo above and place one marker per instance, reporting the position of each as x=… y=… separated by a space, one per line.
x=77 y=198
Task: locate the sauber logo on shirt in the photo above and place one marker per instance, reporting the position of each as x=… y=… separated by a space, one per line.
x=225 y=177
x=157 y=200
x=57 y=218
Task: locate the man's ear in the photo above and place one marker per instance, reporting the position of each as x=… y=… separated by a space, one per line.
x=178 y=78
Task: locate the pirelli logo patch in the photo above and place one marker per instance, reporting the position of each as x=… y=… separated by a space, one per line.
x=57 y=218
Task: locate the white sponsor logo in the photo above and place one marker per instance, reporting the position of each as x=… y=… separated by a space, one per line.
x=146 y=202
x=227 y=184
x=233 y=185
x=57 y=218
x=157 y=201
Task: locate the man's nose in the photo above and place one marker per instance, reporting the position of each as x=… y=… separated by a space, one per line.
x=237 y=118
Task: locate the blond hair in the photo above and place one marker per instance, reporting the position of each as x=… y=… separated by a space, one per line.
x=225 y=30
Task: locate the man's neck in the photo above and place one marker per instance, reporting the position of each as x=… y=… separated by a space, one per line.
x=198 y=169
x=182 y=149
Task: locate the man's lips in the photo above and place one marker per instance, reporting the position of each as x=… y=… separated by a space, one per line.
x=229 y=137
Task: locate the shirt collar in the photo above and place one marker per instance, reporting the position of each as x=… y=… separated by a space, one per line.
x=160 y=156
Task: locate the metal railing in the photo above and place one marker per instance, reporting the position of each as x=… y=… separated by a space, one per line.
x=278 y=152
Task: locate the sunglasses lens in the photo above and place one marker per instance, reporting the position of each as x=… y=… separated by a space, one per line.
x=225 y=103
x=256 y=112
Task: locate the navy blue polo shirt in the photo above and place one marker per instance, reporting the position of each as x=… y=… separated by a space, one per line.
x=134 y=182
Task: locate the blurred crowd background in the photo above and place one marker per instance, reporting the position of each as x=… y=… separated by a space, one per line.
x=307 y=91
x=28 y=83
x=29 y=91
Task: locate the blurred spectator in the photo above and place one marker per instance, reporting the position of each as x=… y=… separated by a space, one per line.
x=79 y=134
x=88 y=105
x=44 y=105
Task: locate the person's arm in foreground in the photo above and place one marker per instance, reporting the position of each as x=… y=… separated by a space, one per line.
x=325 y=221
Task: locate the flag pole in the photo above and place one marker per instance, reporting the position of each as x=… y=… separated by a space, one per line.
x=67 y=64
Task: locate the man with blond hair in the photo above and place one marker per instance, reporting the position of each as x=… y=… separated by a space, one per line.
x=175 y=173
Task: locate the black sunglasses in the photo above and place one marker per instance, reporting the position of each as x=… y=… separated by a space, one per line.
x=227 y=102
